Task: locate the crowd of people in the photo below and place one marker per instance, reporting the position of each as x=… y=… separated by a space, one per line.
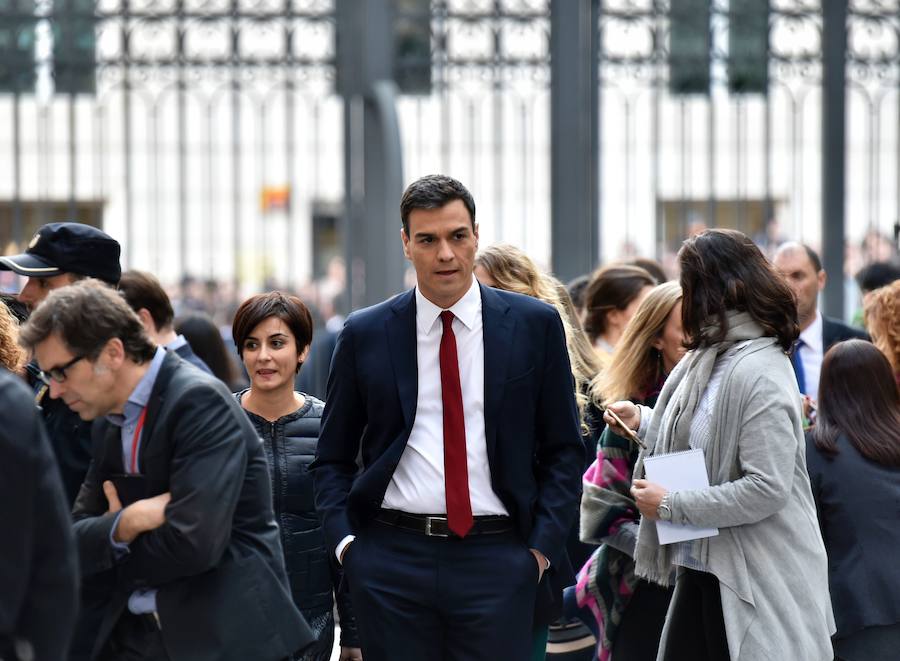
x=459 y=472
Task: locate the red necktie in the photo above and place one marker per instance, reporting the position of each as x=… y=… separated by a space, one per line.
x=456 y=472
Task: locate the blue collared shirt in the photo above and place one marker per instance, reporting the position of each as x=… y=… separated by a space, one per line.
x=140 y=601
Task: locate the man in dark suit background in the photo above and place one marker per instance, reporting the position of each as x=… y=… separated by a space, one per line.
x=802 y=269
x=145 y=295
x=459 y=401
x=194 y=560
x=38 y=567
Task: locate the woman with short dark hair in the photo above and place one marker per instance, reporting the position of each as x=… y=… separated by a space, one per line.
x=758 y=589
x=272 y=333
x=853 y=456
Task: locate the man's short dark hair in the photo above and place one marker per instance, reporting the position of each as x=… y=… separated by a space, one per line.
x=877 y=275
x=433 y=192
x=85 y=316
x=256 y=309
x=142 y=290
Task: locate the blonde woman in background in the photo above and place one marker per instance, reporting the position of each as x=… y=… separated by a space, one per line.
x=625 y=612
x=12 y=356
x=882 y=313
x=508 y=268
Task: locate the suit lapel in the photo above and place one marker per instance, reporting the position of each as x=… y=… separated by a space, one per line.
x=166 y=370
x=497 y=327
x=400 y=327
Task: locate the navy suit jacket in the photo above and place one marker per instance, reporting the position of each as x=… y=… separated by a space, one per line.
x=531 y=422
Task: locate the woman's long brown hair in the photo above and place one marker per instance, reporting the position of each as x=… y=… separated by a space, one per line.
x=859 y=398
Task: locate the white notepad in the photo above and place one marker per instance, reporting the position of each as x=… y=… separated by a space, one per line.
x=679 y=471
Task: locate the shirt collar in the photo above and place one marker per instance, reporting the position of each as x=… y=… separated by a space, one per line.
x=177 y=343
x=141 y=394
x=466 y=309
x=812 y=336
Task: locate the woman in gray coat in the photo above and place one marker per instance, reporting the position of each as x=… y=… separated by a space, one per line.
x=758 y=590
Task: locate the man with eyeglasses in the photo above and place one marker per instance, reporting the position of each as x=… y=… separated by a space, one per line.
x=176 y=510
x=58 y=255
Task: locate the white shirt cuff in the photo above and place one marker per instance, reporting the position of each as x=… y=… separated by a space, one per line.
x=339 y=551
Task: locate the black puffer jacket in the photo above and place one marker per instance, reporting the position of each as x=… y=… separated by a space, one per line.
x=312 y=568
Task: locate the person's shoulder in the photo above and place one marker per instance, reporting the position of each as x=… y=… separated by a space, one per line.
x=376 y=314
x=835 y=330
x=522 y=304
x=768 y=364
x=316 y=406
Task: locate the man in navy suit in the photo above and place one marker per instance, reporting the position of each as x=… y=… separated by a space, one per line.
x=449 y=462
x=802 y=269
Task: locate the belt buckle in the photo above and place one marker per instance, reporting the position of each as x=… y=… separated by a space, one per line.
x=428 y=531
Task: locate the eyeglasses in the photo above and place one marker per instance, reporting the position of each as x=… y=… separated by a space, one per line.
x=58 y=374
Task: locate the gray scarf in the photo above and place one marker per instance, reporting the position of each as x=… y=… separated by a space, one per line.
x=675 y=407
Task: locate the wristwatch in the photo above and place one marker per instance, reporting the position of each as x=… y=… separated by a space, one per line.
x=663 y=511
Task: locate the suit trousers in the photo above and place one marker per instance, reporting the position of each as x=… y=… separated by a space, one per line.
x=135 y=638
x=441 y=598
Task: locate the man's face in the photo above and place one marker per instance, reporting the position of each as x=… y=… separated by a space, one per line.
x=88 y=385
x=802 y=278
x=36 y=289
x=442 y=246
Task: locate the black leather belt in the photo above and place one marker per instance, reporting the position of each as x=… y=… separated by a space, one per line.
x=436 y=525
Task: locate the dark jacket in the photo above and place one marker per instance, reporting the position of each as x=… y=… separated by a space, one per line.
x=69 y=435
x=38 y=568
x=217 y=562
x=188 y=354
x=834 y=331
x=534 y=446
x=858 y=502
x=313 y=572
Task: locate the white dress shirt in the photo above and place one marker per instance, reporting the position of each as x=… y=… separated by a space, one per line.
x=417 y=485
x=811 y=355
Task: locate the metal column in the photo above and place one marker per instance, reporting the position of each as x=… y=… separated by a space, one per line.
x=373 y=179
x=574 y=111
x=834 y=82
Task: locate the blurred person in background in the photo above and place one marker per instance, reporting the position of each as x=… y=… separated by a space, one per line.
x=875 y=276
x=204 y=337
x=12 y=356
x=273 y=333
x=510 y=269
x=149 y=300
x=610 y=300
x=651 y=266
x=627 y=612
x=853 y=456
x=735 y=397
x=802 y=270
x=882 y=314
x=576 y=288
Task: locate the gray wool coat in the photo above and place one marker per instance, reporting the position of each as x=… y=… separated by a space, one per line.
x=769 y=556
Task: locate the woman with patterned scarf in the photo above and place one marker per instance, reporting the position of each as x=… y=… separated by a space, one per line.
x=625 y=613
x=758 y=590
